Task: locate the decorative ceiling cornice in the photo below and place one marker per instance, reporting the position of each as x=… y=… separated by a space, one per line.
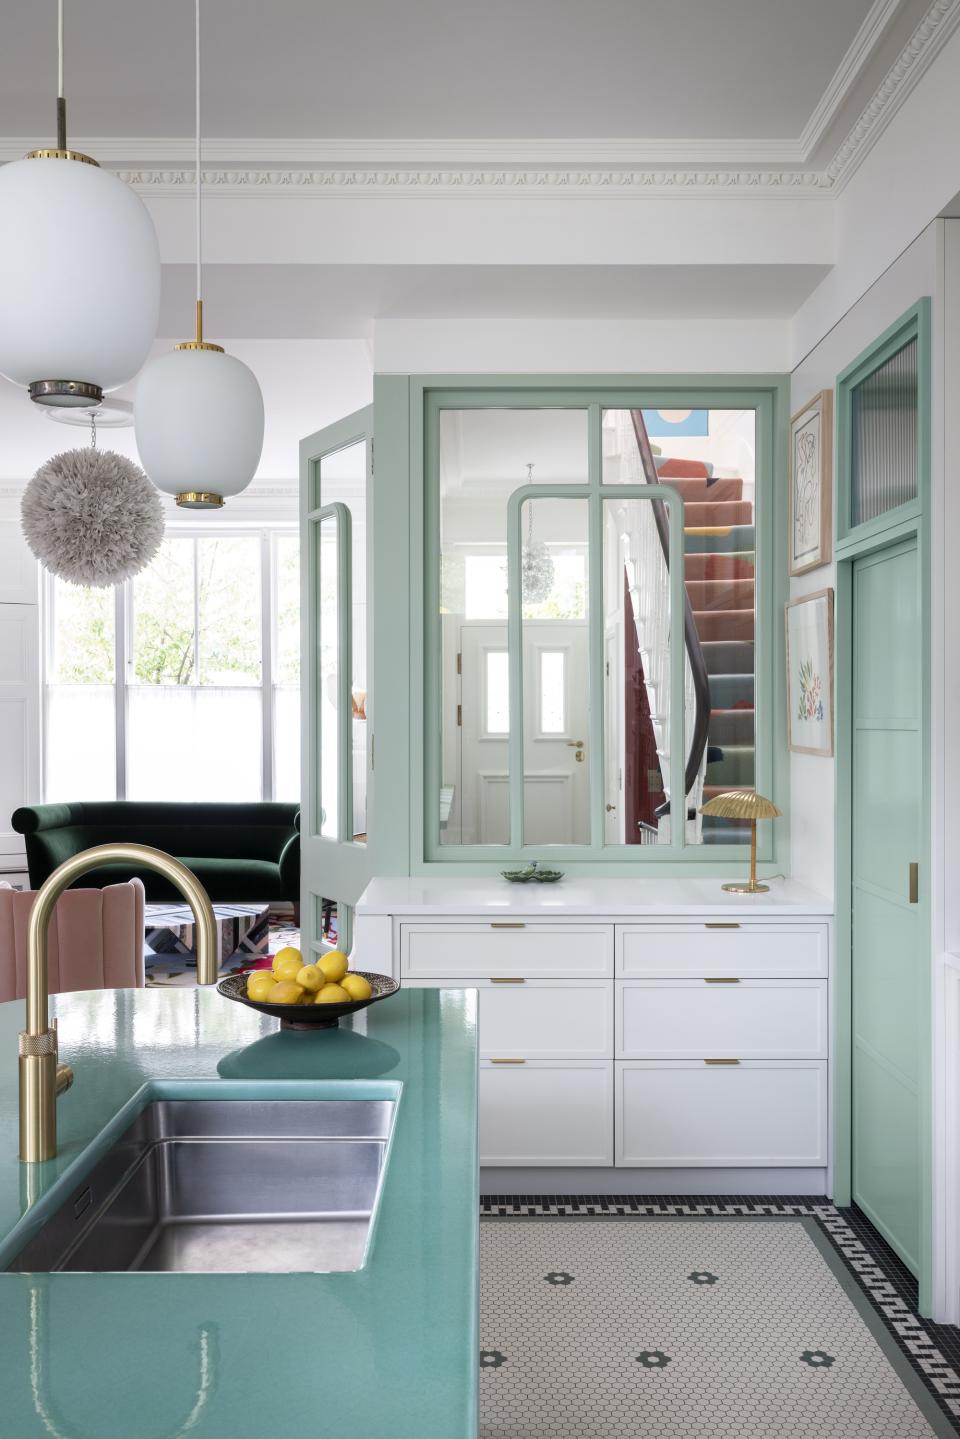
x=705 y=167
x=482 y=181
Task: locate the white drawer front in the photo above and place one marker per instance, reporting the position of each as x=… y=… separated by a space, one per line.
x=437 y=951
x=546 y=1112
x=761 y=1112
x=539 y=1018
x=722 y=948
x=699 y=1019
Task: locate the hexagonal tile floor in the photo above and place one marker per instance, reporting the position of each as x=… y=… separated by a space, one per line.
x=612 y=1328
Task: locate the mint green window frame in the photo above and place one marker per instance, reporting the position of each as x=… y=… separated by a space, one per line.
x=768 y=396
x=914 y=324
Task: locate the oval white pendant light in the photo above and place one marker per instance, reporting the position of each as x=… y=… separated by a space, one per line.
x=79 y=273
x=198 y=413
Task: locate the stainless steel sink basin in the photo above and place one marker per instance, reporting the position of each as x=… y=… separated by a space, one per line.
x=226 y=1186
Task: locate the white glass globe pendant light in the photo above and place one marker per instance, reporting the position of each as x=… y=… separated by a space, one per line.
x=198 y=412
x=79 y=273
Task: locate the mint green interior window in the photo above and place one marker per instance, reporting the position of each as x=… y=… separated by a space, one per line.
x=596 y=629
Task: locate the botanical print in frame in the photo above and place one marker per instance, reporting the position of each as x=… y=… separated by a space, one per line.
x=809 y=624
x=811 y=485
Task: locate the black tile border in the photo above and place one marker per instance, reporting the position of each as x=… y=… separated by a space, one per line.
x=932 y=1350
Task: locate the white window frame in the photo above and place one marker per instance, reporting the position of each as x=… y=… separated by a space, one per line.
x=268 y=535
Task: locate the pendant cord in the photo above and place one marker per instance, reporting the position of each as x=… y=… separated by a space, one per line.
x=198 y=175
x=61 y=102
x=93 y=429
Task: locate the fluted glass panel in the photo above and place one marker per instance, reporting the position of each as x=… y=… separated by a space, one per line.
x=883 y=472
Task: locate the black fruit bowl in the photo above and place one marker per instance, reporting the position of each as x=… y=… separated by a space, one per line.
x=308 y=1016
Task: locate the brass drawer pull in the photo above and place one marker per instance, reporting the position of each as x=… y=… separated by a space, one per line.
x=724 y=925
x=508 y=1061
x=506 y=979
x=507 y=924
x=721 y=981
x=721 y=1061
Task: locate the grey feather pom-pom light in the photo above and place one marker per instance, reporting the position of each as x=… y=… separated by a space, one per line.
x=92 y=517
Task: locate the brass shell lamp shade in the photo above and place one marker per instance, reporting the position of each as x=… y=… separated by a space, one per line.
x=744 y=804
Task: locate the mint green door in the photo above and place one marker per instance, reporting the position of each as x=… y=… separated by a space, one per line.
x=889 y=969
x=337 y=706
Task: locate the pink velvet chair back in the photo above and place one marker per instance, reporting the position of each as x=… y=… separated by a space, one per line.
x=96 y=939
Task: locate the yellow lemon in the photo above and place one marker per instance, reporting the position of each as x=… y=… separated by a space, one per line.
x=260 y=985
x=287 y=964
x=288 y=952
x=311 y=977
x=286 y=992
x=332 y=994
x=334 y=965
x=356 y=986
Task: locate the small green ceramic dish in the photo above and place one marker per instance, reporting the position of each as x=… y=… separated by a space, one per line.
x=531 y=872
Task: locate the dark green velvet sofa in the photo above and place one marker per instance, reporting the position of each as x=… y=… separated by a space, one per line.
x=240 y=852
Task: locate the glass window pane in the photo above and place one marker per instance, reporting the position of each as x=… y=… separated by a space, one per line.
x=79 y=759
x=342 y=478
x=884 y=468
x=554 y=570
x=708 y=457
x=185 y=742
x=484 y=455
x=553 y=699
x=164 y=641
x=637 y=662
x=82 y=635
x=286 y=743
x=497 y=693
x=80 y=752
x=286 y=667
x=328 y=675
x=228 y=600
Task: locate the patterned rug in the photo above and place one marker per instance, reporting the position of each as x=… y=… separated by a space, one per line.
x=609 y=1327
x=164 y=971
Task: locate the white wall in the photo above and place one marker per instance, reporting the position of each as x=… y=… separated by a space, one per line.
x=582 y=346
x=812 y=778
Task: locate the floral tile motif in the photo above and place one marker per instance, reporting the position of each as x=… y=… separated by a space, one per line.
x=634 y=1349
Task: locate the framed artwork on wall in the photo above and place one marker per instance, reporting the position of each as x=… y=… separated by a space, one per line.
x=811 y=485
x=809 y=623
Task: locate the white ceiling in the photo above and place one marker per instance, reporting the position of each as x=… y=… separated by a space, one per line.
x=438 y=68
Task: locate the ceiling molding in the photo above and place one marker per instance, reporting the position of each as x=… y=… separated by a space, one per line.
x=861 y=48
x=414 y=153
x=542 y=182
x=602 y=167
x=924 y=45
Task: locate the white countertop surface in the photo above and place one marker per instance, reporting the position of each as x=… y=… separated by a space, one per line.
x=577 y=895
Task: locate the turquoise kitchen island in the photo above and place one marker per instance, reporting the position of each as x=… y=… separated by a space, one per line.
x=386 y=1351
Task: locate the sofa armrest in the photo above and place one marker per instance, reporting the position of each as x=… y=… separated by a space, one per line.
x=290 y=868
x=31 y=819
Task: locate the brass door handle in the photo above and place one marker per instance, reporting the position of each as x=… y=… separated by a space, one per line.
x=720 y=981
x=575 y=743
x=914 y=884
x=507 y=924
x=505 y=979
x=610 y=808
x=721 y=1061
x=724 y=925
x=508 y=1061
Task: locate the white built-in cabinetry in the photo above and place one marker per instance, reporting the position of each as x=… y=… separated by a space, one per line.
x=691 y=1036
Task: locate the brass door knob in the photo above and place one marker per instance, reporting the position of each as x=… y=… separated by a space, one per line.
x=610 y=807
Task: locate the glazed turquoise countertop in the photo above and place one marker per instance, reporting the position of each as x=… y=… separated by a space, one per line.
x=386 y=1352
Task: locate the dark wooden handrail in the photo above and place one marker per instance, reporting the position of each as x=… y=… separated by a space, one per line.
x=698 y=665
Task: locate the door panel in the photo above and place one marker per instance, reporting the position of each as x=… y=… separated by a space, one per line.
x=337 y=705
x=888 y=969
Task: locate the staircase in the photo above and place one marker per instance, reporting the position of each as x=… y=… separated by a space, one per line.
x=719 y=569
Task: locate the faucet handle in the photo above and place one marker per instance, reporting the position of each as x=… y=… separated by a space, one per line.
x=35 y=1046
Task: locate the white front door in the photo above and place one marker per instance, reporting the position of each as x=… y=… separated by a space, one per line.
x=555 y=716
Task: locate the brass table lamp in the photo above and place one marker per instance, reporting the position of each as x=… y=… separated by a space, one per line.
x=744 y=804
